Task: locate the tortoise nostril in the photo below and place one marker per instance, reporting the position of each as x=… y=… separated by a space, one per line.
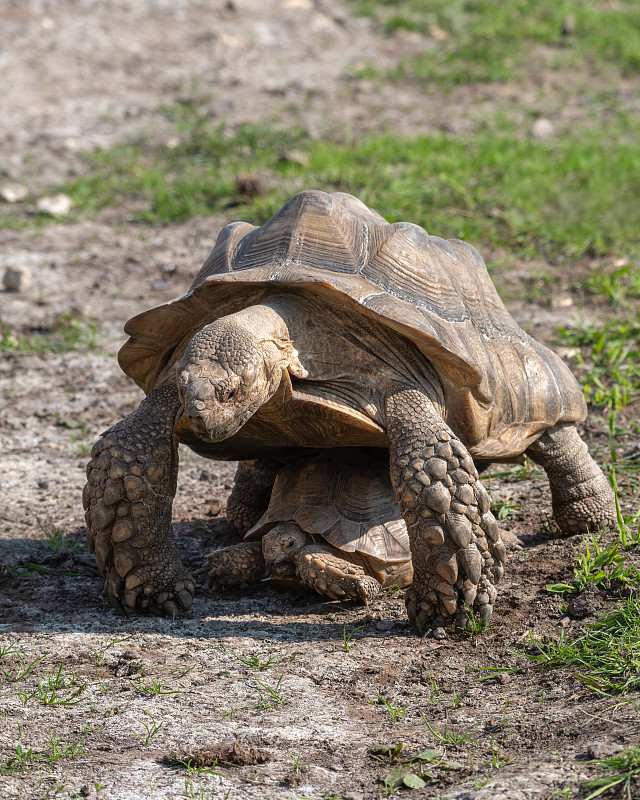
x=227 y=392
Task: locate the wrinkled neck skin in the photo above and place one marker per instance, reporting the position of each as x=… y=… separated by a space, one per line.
x=236 y=364
x=233 y=366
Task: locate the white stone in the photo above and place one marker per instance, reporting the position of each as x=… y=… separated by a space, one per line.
x=542 y=129
x=297 y=5
x=58 y=206
x=17 y=279
x=13 y=192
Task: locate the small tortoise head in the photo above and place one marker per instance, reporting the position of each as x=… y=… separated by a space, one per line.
x=224 y=376
x=279 y=548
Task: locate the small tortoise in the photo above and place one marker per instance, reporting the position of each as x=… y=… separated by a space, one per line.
x=333 y=526
x=328 y=327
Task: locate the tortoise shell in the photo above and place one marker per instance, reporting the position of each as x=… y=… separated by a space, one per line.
x=502 y=388
x=350 y=507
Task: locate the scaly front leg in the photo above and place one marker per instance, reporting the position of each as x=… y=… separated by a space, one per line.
x=457 y=553
x=131 y=482
x=320 y=569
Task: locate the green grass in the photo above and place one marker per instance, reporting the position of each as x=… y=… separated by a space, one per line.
x=621 y=772
x=599 y=566
x=573 y=196
x=607 y=359
x=605 y=656
x=621 y=286
x=48 y=758
x=396 y=711
x=56 y=689
x=66 y=334
x=484 y=41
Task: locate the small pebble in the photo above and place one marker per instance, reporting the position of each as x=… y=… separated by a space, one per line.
x=13 y=193
x=57 y=206
x=542 y=129
x=17 y=279
x=598 y=750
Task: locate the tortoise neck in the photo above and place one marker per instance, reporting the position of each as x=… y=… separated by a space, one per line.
x=267 y=321
x=269 y=324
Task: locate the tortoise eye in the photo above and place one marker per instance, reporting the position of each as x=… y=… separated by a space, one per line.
x=290 y=544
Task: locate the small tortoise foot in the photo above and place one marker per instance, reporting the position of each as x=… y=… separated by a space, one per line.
x=236 y=565
x=327 y=574
x=511 y=542
x=593 y=509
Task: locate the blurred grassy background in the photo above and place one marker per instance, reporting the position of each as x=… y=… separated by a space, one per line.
x=572 y=190
x=521 y=187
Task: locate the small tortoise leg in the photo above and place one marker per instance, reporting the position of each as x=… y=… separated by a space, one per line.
x=457 y=552
x=131 y=482
x=320 y=569
x=235 y=565
x=581 y=496
x=251 y=493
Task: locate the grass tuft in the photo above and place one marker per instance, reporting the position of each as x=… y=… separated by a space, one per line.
x=67 y=334
x=621 y=770
x=607 y=359
x=605 y=657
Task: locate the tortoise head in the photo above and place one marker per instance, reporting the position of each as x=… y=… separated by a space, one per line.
x=279 y=548
x=225 y=375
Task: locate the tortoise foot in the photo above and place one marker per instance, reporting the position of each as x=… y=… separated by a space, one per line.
x=457 y=579
x=331 y=576
x=236 y=565
x=592 y=508
x=433 y=604
x=160 y=589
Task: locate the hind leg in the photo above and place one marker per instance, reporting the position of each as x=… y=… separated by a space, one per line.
x=581 y=496
x=251 y=492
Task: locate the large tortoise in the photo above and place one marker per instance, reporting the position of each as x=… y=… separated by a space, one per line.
x=328 y=327
x=332 y=526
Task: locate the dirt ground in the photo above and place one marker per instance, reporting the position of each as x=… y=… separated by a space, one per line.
x=261 y=680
